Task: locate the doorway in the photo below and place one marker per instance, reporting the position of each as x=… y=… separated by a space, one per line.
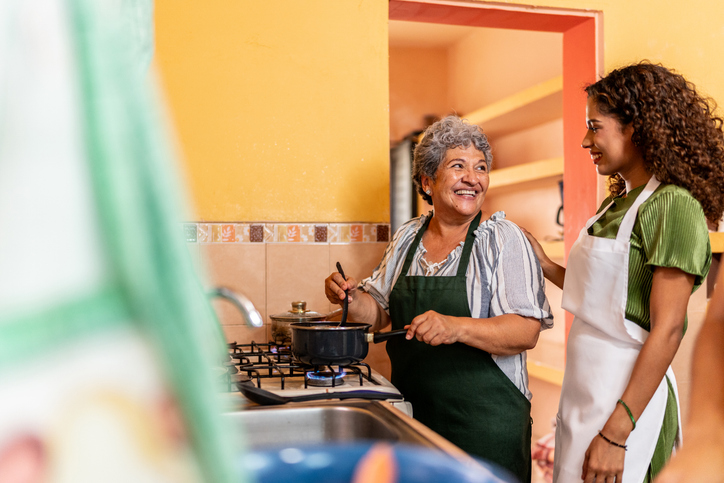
x=580 y=63
x=519 y=73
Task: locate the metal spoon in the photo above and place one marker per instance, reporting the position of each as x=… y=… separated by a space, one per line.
x=345 y=307
x=267 y=398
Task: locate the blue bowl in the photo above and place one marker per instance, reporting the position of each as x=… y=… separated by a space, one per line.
x=338 y=463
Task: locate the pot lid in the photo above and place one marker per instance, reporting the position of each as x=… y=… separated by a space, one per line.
x=299 y=313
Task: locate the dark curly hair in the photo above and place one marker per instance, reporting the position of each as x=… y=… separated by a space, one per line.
x=679 y=136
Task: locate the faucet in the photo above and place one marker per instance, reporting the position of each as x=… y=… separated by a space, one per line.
x=241 y=302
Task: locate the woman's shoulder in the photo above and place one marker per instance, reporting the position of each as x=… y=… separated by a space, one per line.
x=497 y=227
x=671 y=190
x=496 y=222
x=674 y=232
x=409 y=229
x=673 y=210
x=669 y=197
x=413 y=224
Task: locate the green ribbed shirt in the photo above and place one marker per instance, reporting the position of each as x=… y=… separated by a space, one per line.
x=670 y=231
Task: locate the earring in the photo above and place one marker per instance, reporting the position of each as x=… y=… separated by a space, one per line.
x=427 y=192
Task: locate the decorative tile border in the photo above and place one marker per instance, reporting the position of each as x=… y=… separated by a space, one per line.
x=334 y=233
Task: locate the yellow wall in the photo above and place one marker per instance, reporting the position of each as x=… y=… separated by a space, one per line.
x=281 y=107
x=687 y=36
x=412 y=94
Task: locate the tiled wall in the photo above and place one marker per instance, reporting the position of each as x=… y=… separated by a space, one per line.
x=286 y=232
x=275 y=264
x=289 y=262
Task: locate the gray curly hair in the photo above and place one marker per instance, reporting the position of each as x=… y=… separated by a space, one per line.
x=447 y=133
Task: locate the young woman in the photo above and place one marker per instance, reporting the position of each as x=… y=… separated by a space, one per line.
x=632 y=270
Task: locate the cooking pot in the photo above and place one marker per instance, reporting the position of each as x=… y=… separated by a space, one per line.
x=282 y=334
x=326 y=343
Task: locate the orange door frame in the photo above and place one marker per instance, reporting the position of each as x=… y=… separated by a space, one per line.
x=581 y=61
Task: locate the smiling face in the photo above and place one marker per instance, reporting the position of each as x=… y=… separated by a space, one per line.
x=611 y=148
x=460 y=184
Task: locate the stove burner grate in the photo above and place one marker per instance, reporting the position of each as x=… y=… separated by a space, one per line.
x=265 y=361
x=329 y=378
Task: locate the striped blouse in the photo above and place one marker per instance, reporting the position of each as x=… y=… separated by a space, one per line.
x=503 y=277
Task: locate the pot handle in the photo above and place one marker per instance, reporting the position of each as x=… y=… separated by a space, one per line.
x=378 y=337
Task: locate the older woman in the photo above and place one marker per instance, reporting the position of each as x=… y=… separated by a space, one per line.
x=468 y=288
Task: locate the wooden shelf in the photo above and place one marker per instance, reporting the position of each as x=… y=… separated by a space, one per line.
x=717 y=242
x=522 y=173
x=530 y=107
x=545 y=373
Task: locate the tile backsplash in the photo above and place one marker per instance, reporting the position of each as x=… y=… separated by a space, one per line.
x=286 y=232
x=275 y=264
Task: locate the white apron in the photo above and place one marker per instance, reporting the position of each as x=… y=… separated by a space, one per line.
x=602 y=349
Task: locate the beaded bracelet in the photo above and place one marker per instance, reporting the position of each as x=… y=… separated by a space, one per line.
x=633 y=421
x=612 y=442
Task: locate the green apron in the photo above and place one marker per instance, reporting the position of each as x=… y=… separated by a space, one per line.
x=457 y=390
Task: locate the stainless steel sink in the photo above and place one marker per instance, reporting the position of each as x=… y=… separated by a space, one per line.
x=310 y=425
x=350 y=421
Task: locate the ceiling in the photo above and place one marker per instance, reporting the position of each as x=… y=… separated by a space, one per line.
x=425 y=35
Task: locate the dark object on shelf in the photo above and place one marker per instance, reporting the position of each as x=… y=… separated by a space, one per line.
x=559 y=215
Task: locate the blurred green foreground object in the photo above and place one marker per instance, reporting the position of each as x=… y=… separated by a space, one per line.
x=107 y=339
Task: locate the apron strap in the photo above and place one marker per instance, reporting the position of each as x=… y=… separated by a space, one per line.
x=413 y=248
x=468 y=247
x=595 y=218
x=628 y=221
x=626 y=227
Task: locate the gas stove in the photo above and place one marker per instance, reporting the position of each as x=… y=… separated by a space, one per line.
x=272 y=367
